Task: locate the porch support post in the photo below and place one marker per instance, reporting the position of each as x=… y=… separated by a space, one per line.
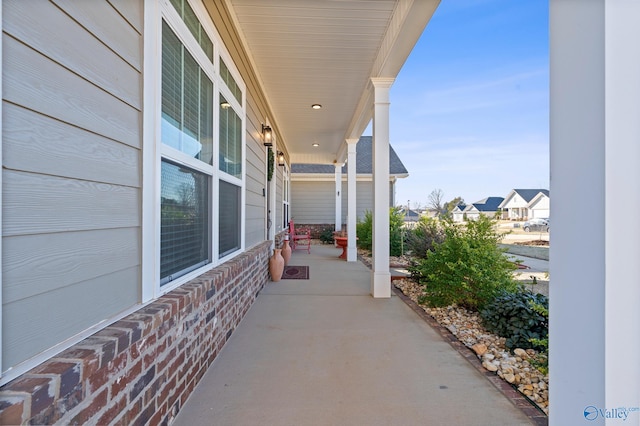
x=352 y=251
x=338 y=226
x=594 y=297
x=380 y=275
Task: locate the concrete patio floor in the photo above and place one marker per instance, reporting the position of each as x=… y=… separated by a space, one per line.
x=324 y=352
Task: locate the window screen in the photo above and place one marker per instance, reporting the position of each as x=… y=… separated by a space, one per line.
x=230 y=140
x=191 y=21
x=184 y=221
x=187 y=101
x=230 y=212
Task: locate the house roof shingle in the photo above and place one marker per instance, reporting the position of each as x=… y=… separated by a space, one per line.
x=489 y=204
x=363 y=161
x=528 y=194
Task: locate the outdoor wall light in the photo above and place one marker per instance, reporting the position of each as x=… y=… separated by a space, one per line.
x=267 y=135
x=280 y=158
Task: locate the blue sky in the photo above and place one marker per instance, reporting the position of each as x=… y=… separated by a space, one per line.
x=470 y=109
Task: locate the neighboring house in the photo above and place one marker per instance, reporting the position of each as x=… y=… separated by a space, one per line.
x=429 y=213
x=411 y=217
x=137 y=214
x=458 y=213
x=539 y=205
x=487 y=207
x=313 y=189
x=517 y=203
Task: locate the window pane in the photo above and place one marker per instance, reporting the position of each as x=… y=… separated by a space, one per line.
x=184 y=217
x=191 y=21
x=229 y=226
x=230 y=82
x=230 y=140
x=187 y=101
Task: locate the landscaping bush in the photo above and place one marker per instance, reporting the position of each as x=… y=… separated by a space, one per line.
x=396 y=220
x=514 y=316
x=424 y=236
x=541 y=360
x=326 y=236
x=467 y=268
x=364 y=231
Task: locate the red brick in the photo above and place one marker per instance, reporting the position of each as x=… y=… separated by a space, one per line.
x=105 y=347
x=135 y=407
x=142 y=382
x=134 y=329
x=125 y=377
x=97 y=403
x=166 y=359
x=144 y=416
x=173 y=397
x=113 y=411
x=166 y=390
x=67 y=372
x=38 y=388
x=152 y=390
x=105 y=374
x=90 y=359
x=12 y=410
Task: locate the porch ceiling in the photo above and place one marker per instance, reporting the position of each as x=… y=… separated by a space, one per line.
x=325 y=52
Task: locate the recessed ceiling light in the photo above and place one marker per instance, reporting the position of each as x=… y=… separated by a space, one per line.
x=316 y=106
x=315 y=144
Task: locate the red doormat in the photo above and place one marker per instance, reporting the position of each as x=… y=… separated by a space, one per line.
x=295 y=273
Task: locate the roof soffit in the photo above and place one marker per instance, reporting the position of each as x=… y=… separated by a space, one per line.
x=306 y=52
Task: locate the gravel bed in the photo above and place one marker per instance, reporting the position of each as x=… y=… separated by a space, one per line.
x=514 y=368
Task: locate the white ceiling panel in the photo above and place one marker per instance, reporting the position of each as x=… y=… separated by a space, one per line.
x=326 y=52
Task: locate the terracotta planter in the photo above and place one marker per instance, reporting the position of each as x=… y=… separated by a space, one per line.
x=276 y=265
x=286 y=251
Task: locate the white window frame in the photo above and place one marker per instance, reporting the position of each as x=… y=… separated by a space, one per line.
x=154 y=151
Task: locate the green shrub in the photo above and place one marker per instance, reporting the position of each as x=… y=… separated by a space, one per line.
x=396 y=220
x=512 y=315
x=467 y=268
x=424 y=236
x=364 y=231
x=541 y=361
x=326 y=236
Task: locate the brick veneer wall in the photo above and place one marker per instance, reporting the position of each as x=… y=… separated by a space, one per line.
x=141 y=369
x=317 y=229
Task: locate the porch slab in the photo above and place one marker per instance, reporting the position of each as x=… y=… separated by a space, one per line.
x=324 y=351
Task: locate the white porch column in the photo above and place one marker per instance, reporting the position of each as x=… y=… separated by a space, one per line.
x=594 y=263
x=338 y=226
x=352 y=251
x=380 y=275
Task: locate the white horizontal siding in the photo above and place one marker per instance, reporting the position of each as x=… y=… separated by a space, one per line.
x=314 y=202
x=71 y=139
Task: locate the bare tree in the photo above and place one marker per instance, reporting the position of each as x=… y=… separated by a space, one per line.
x=435 y=199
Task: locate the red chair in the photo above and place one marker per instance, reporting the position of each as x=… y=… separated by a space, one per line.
x=300 y=239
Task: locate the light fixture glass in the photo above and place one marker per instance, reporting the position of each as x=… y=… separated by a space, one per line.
x=315 y=145
x=316 y=106
x=267 y=135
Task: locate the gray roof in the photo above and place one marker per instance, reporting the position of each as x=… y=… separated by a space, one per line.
x=528 y=194
x=363 y=161
x=489 y=204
